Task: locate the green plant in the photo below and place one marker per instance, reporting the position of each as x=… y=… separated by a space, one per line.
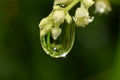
x=57 y=30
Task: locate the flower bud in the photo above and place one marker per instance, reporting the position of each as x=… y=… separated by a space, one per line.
x=82 y=17
x=43 y=22
x=56 y=31
x=88 y=3
x=59 y=16
x=46 y=29
x=102 y=6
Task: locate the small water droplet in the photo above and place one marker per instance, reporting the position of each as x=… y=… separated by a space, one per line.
x=63 y=6
x=64 y=43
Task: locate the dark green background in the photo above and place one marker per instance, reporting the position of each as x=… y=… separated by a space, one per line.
x=94 y=56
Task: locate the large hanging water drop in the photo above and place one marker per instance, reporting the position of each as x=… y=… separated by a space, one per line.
x=62 y=45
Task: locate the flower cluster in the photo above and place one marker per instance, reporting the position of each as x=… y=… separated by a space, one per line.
x=60 y=14
x=57 y=30
x=53 y=21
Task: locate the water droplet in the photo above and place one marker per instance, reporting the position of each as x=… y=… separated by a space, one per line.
x=64 y=43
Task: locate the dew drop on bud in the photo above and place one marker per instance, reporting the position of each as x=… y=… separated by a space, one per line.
x=62 y=45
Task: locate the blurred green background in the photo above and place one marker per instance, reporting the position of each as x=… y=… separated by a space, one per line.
x=94 y=56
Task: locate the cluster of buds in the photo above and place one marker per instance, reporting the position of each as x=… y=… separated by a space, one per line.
x=53 y=42
x=60 y=14
x=53 y=21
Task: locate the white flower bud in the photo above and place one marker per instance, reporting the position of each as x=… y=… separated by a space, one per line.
x=59 y=16
x=82 y=17
x=102 y=6
x=81 y=12
x=46 y=29
x=43 y=22
x=88 y=3
x=68 y=18
x=56 y=31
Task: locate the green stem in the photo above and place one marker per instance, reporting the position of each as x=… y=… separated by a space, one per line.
x=70 y=6
x=48 y=39
x=43 y=41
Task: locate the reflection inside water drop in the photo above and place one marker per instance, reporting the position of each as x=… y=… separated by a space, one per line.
x=62 y=46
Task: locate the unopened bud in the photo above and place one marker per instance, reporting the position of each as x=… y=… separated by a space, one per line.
x=82 y=17
x=43 y=22
x=102 y=6
x=45 y=29
x=59 y=16
x=56 y=31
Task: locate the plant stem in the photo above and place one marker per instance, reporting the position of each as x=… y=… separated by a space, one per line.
x=70 y=6
x=48 y=39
